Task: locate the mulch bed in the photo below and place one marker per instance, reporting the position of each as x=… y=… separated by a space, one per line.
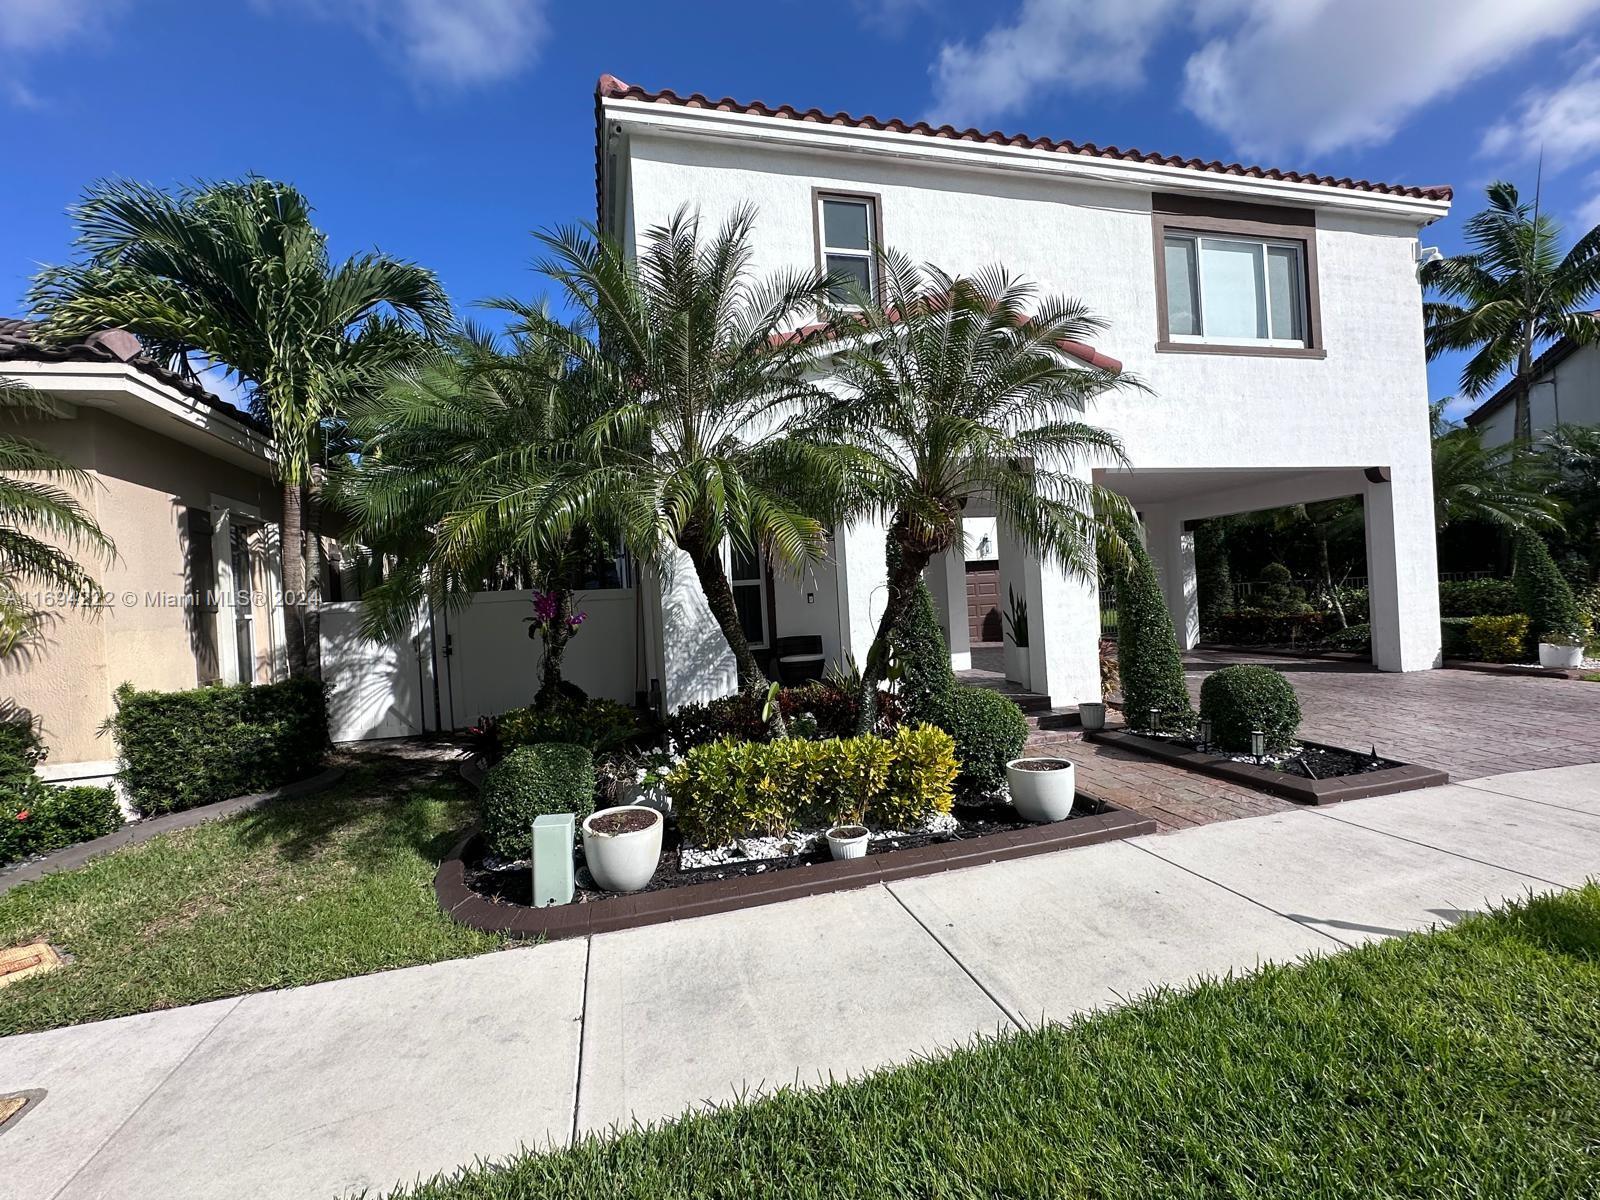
x=513 y=884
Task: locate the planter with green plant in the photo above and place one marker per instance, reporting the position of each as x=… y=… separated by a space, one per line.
x=1018 y=669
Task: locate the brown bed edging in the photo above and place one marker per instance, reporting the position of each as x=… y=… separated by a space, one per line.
x=1404 y=778
x=725 y=895
x=1528 y=669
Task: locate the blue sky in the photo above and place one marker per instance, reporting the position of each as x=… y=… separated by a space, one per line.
x=446 y=130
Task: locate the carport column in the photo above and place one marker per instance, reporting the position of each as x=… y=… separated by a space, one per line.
x=863 y=582
x=1402 y=568
x=1172 y=550
x=1063 y=633
x=947 y=581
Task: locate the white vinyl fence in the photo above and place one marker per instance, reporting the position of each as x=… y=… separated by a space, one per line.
x=478 y=660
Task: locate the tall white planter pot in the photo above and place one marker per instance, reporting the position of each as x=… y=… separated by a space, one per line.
x=623 y=862
x=1017 y=665
x=1042 y=789
x=1560 y=657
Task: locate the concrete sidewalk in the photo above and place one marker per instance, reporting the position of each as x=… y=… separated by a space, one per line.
x=372 y=1081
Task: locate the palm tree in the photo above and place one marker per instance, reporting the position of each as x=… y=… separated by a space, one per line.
x=955 y=388
x=694 y=364
x=237 y=273
x=42 y=525
x=1505 y=486
x=470 y=475
x=1513 y=291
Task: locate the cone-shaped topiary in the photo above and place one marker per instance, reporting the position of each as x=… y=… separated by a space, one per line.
x=1240 y=699
x=923 y=658
x=1147 y=648
x=1544 y=592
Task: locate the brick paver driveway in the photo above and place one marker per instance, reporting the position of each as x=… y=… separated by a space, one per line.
x=1465 y=722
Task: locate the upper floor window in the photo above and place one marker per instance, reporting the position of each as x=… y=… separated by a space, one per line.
x=1235 y=290
x=847 y=235
x=1236 y=278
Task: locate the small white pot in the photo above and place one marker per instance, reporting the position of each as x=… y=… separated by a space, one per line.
x=1092 y=714
x=623 y=862
x=852 y=846
x=1042 y=795
x=1564 y=657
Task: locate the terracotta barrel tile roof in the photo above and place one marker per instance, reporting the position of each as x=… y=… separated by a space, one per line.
x=612 y=87
x=18 y=344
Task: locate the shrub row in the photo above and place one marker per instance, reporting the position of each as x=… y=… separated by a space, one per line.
x=817 y=709
x=727 y=790
x=183 y=749
x=1498 y=639
x=1250 y=627
x=534 y=781
x=36 y=818
x=1478 y=598
x=1238 y=700
x=596 y=723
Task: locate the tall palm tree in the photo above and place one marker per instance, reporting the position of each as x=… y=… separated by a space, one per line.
x=955 y=388
x=1511 y=292
x=42 y=526
x=1507 y=486
x=696 y=371
x=473 y=472
x=237 y=273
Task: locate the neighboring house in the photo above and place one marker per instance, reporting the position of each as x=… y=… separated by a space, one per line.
x=183 y=486
x=1276 y=317
x=1565 y=391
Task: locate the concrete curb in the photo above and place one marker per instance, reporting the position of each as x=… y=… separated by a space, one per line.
x=142 y=831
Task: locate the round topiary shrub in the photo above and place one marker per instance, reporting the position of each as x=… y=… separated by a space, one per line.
x=534 y=781
x=1240 y=699
x=988 y=729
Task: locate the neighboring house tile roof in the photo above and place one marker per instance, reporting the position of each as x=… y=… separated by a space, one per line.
x=612 y=87
x=18 y=344
x=1557 y=353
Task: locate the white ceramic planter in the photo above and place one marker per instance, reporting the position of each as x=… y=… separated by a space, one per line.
x=1564 y=657
x=848 y=847
x=623 y=862
x=1017 y=665
x=1042 y=795
x=1092 y=714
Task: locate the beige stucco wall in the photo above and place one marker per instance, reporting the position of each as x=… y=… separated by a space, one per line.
x=144 y=484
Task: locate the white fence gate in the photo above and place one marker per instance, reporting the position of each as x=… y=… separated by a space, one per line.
x=457 y=666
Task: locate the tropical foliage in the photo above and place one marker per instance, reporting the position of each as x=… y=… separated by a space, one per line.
x=1513 y=290
x=954 y=387
x=237 y=274
x=44 y=525
x=1506 y=486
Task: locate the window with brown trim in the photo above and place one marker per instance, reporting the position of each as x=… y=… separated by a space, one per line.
x=1235 y=278
x=847 y=241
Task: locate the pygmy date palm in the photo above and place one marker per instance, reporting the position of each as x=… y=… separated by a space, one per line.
x=237 y=273
x=955 y=388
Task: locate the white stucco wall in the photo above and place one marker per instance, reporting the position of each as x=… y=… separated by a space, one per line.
x=1569 y=394
x=1362 y=405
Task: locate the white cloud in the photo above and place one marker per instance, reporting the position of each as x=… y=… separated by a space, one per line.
x=450 y=43
x=890 y=16
x=46 y=24
x=1588 y=215
x=1562 y=123
x=1317 y=75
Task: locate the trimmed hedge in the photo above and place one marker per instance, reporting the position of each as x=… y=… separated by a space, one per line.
x=989 y=730
x=728 y=790
x=1352 y=638
x=1545 y=594
x=1251 y=627
x=1453 y=639
x=1479 y=598
x=1147 y=648
x=1240 y=699
x=596 y=723
x=36 y=818
x=534 y=781
x=1498 y=639
x=183 y=749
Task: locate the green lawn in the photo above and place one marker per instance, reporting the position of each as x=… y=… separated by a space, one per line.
x=315 y=888
x=1459 y=1064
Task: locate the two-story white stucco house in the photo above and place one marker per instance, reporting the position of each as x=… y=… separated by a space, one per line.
x=1275 y=316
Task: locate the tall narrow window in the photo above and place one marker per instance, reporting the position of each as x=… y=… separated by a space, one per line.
x=749 y=579
x=1231 y=290
x=849 y=230
x=244 y=629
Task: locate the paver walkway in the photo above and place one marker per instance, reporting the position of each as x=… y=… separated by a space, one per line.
x=367 y=1082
